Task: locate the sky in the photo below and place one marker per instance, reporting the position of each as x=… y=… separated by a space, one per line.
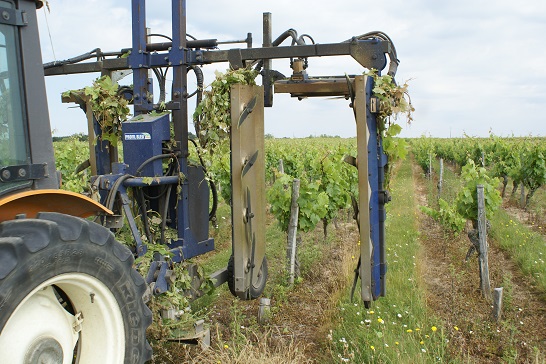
x=473 y=66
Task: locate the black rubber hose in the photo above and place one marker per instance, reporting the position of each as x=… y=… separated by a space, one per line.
x=161 y=81
x=111 y=198
x=200 y=79
x=94 y=53
x=154 y=158
x=281 y=38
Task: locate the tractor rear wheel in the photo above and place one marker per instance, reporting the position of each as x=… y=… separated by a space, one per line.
x=69 y=293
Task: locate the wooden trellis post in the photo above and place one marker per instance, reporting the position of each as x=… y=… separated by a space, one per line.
x=485 y=284
x=293 y=228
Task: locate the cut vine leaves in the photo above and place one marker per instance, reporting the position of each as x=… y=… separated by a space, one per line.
x=212 y=121
x=394 y=100
x=212 y=117
x=109 y=107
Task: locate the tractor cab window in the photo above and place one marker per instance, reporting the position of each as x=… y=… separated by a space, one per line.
x=13 y=146
x=13 y=137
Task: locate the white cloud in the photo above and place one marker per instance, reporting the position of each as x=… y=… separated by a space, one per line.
x=475 y=65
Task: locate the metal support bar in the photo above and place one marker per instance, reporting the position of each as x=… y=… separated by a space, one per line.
x=266 y=78
x=369 y=53
x=317 y=87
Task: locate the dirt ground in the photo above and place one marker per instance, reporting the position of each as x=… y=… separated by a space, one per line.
x=455 y=296
x=298 y=318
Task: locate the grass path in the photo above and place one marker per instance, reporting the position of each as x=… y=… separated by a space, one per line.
x=398 y=328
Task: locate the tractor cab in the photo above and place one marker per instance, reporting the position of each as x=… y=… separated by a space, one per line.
x=26 y=151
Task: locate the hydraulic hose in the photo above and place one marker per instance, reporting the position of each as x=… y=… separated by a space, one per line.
x=154 y=158
x=94 y=53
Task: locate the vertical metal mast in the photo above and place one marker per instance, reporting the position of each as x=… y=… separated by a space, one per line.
x=177 y=59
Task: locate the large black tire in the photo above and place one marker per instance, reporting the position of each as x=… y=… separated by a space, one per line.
x=256 y=288
x=69 y=252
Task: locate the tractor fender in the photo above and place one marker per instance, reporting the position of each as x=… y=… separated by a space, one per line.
x=34 y=201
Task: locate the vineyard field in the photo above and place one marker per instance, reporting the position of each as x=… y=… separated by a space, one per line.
x=433 y=310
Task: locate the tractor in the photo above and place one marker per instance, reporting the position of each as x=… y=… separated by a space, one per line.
x=69 y=291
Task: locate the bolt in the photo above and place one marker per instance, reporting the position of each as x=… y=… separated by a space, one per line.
x=5 y=15
x=22 y=172
x=176 y=94
x=6 y=174
x=374 y=56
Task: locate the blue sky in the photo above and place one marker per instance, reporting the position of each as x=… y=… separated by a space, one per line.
x=473 y=66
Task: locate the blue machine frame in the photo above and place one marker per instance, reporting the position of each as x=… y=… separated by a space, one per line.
x=144 y=136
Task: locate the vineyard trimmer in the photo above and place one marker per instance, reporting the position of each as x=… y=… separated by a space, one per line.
x=85 y=276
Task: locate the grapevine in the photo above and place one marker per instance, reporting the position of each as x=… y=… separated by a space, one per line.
x=326 y=183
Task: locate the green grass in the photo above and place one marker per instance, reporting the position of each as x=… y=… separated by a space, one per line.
x=398 y=328
x=526 y=247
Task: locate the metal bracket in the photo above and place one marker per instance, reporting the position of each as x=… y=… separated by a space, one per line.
x=13 y=17
x=23 y=172
x=235 y=58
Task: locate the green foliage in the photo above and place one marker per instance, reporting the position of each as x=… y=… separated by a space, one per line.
x=465 y=207
x=326 y=182
x=329 y=170
x=446 y=215
x=69 y=154
x=5 y=110
x=423 y=151
x=467 y=198
x=109 y=108
x=313 y=204
x=534 y=168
